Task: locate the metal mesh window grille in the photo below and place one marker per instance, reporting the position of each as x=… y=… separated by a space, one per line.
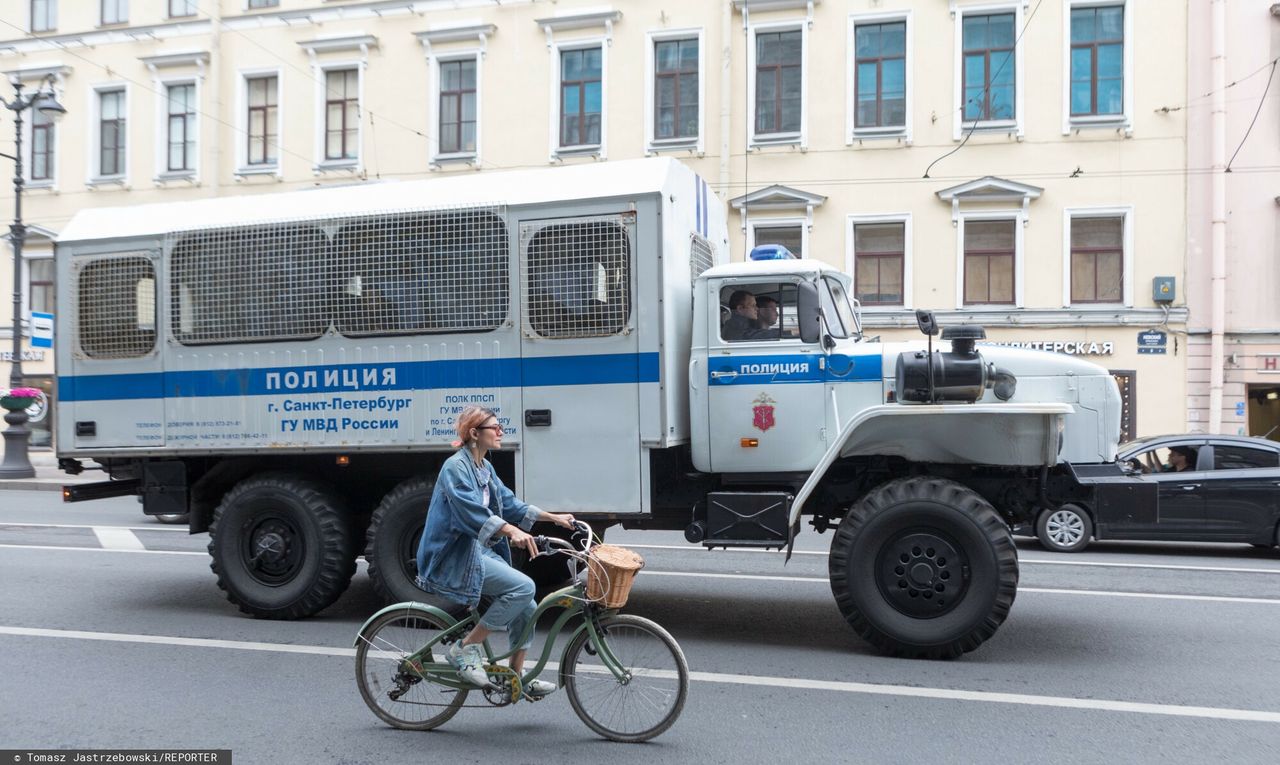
x=117 y=307
x=423 y=272
x=701 y=256
x=441 y=271
x=577 y=276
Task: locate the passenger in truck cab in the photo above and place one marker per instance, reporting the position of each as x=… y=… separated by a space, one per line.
x=465 y=552
x=743 y=318
x=766 y=311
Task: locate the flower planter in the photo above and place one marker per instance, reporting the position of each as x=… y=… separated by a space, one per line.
x=16 y=403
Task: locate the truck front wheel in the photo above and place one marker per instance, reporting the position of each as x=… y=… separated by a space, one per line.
x=282 y=546
x=923 y=568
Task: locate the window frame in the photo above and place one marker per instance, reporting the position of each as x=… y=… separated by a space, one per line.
x=50 y=16
x=321 y=115
x=853 y=133
x=1125 y=120
x=558 y=49
x=851 y=257
x=94 y=144
x=163 y=172
x=652 y=143
x=243 y=166
x=779 y=222
x=1019 y=255
x=961 y=126
x=121 y=11
x=29 y=284
x=800 y=137
x=29 y=129
x=439 y=156
x=192 y=7
x=256 y=5
x=1127 y=258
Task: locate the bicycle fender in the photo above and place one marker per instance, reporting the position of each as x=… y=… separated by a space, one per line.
x=448 y=620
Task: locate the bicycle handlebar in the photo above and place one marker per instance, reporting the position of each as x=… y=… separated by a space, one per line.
x=549 y=545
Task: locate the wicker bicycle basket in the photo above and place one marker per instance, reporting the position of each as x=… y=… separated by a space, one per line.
x=611 y=573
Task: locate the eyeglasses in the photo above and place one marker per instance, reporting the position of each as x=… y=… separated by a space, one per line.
x=498 y=428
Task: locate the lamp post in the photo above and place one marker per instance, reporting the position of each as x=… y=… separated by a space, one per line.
x=16 y=462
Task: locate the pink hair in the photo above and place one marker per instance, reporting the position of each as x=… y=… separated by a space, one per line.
x=471 y=417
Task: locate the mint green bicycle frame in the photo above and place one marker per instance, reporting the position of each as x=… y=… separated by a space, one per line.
x=571 y=599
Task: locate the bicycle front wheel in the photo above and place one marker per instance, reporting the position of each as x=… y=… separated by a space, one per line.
x=396 y=694
x=651 y=696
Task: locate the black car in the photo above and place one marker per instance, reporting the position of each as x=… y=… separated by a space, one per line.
x=1191 y=488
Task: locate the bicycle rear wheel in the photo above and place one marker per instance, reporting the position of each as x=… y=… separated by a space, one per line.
x=648 y=701
x=398 y=697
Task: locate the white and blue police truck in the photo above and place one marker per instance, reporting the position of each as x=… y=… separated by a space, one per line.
x=286 y=369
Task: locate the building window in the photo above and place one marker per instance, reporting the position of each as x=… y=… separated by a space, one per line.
x=181 y=128
x=115 y=11
x=40 y=284
x=675 y=89
x=990 y=247
x=180 y=8
x=879 y=255
x=44 y=15
x=341 y=113
x=580 y=97
x=42 y=136
x=779 y=62
x=1097 y=61
x=880 y=74
x=263 y=3
x=789 y=236
x=458 y=106
x=111 y=132
x=1097 y=259
x=263 y=120
x=988 y=67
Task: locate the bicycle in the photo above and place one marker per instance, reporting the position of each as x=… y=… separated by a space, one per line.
x=625 y=676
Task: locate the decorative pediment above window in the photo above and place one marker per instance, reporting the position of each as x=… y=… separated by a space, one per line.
x=32 y=73
x=195 y=58
x=745 y=7
x=601 y=17
x=778 y=197
x=480 y=33
x=340 y=43
x=989 y=189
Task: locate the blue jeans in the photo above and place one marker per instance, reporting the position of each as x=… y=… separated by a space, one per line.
x=512 y=594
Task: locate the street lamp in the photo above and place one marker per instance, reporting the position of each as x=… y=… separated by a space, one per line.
x=16 y=462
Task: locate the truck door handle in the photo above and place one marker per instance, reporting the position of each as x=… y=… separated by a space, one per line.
x=1189 y=486
x=723 y=375
x=537 y=418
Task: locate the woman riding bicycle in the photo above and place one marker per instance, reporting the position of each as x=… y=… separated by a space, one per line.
x=465 y=550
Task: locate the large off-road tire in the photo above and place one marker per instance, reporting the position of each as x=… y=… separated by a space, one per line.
x=1064 y=529
x=923 y=568
x=391 y=546
x=282 y=546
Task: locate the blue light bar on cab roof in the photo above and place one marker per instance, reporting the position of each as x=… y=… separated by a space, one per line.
x=771 y=252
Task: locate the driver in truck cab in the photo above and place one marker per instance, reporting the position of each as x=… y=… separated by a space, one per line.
x=743 y=319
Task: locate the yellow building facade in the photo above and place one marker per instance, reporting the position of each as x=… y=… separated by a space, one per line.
x=1019 y=164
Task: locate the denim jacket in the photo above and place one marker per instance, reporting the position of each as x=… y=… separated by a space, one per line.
x=458 y=523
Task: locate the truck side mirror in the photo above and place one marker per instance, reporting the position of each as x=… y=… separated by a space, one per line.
x=810 y=313
x=926 y=322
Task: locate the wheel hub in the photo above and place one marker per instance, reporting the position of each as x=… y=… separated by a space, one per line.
x=273 y=551
x=922 y=574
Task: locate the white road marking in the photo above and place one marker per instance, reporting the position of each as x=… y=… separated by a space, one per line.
x=1036 y=561
x=170 y=528
x=102 y=549
x=877 y=689
x=116 y=538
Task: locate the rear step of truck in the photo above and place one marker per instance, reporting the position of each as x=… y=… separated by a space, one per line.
x=743 y=519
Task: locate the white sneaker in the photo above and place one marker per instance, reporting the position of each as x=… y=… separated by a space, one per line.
x=469 y=661
x=539 y=688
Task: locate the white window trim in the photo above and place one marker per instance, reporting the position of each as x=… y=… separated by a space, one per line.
x=433 y=107
x=852 y=132
x=793 y=220
x=850 y=253
x=600 y=150
x=244 y=6
x=31 y=18
x=653 y=145
x=163 y=174
x=801 y=138
x=39 y=253
x=1019 y=255
x=1111 y=121
x=243 y=167
x=94 y=144
x=1015 y=126
x=320 y=164
x=1126 y=240
x=103 y=22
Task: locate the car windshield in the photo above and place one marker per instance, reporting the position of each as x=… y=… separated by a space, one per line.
x=1136 y=444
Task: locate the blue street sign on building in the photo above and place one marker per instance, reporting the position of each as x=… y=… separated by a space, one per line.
x=41 y=330
x=1152 y=341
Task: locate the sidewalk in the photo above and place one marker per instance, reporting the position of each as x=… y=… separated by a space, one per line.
x=48 y=476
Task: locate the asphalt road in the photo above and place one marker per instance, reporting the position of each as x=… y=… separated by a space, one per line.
x=1130 y=653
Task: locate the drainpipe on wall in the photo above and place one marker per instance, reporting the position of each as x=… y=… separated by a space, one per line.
x=726 y=92
x=1218 y=131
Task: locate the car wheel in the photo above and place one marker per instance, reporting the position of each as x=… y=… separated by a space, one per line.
x=1066 y=529
x=172 y=517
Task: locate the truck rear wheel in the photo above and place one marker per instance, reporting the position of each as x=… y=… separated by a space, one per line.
x=923 y=568
x=392 y=541
x=282 y=546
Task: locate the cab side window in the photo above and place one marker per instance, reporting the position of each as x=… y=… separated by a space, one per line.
x=755 y=312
